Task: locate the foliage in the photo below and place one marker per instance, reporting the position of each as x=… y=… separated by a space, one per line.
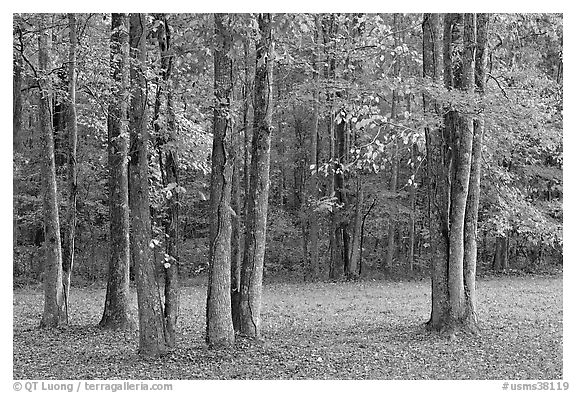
x=365 y=330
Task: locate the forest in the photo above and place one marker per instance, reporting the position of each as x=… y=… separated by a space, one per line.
x=287 y=196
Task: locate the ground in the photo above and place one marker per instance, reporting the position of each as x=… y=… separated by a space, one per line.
x=361 y=330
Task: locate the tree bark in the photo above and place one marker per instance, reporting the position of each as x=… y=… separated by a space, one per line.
x=54 y=305
x=391 y=248
x=152 y=330
x=437 y=162
x=219 y=328
x=257 y=209
x=462 y=147
x=168 y=158
x=236 y=257
x=17 y=96
x=68 y=257
x=314 y=228
x=117 y=312
x=471 y=217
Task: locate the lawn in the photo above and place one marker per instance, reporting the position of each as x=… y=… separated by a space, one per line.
x=360 y=330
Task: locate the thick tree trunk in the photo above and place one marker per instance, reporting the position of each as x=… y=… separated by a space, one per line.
x=437 y=161
x=54 y=305
x=256 y=214
x=68 y=257
x=117 y=310
x=152 y=331
x=219 y=328
x=471 y=218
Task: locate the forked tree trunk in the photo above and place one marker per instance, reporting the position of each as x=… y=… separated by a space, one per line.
x=54 y=306
x=219 y=328
x=117 y=312
x=257 y=209
x=68 y=257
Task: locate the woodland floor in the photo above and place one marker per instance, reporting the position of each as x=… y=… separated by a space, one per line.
x=361 y=330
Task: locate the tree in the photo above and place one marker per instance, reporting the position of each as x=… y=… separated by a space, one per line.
x=436 y=158
x=471 y=216
x=257 y=207
x=117 y=313
x=54 y=305
x=72 y=124
x=152 y=331
x=451 y=285
x=168 y=162
x=219 y=329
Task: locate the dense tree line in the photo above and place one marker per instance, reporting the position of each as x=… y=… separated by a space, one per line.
x=307 y=146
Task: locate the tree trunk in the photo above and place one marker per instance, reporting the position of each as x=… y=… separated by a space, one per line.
x=437 y=162
x=501 y=254
x=462 y=148
x=152 y=330
x=219 y=328
x=68 y=257
x=471 y=217
x=17 y=100
x=168 y=159
x=313 y=218
x=236 y=258
x=256 y=213
x=117 y=313
x=391 y=248
x=412 y=218
x=355 y=247
x=54 y=306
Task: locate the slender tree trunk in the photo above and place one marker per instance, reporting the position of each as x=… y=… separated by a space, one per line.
x=68 y=257
x=168 y=159
x=239 y=222
x=355 y=247
x=256 y=214
x=462 y=146
x=246 y=94
x=313 y=184
x=412 y=218
x=54 y=305
x=437 y=162
x=117 y=310
x=391 y=248
x=471 y=217
x=219 y=328
x=17 y=102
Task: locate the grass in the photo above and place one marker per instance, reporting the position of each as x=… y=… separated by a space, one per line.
x=361 y=330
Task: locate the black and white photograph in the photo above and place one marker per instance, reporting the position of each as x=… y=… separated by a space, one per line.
x=287 y=196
